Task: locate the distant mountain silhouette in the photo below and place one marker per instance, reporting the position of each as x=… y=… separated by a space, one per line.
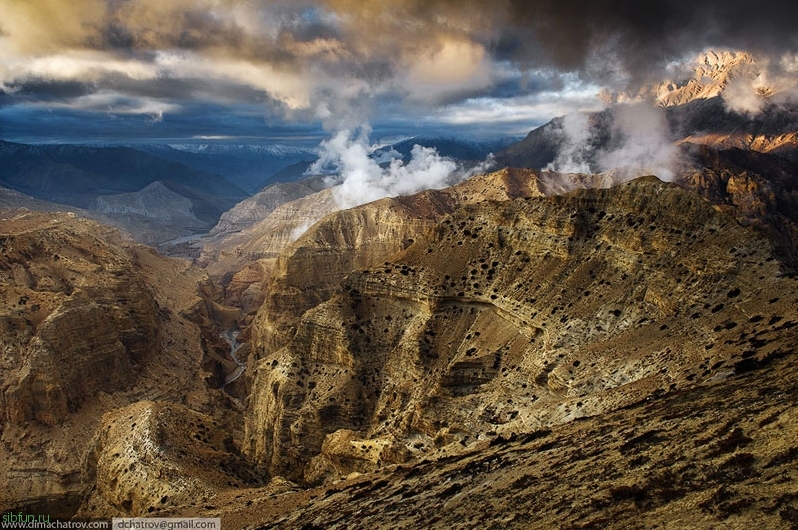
x=89 y=177
x=461 y=150
x=249 y=166
x=75 y=174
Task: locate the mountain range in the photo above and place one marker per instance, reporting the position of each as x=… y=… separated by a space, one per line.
x=599 y=332
x=697 y=109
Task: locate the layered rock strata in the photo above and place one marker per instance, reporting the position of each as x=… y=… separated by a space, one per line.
x=150 y=456
x=309 y=270
x=513 y=316
x=717 y=455
x=90 y=323
x=77 y=323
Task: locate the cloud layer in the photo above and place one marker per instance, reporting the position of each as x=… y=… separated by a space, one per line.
x=360 y=178
x=340 y=61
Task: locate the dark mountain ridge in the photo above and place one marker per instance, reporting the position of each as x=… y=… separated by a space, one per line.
x=250 y=166
x=118 y=183
x=75 y=173
x=705 y=121
x=455 y=148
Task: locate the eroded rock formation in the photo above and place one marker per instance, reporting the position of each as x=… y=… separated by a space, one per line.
x=510 y=317
x=77 y=323
x=150 y=456
x=90 y=323
x=516 y=323
x=309 y=270
x=716 y=455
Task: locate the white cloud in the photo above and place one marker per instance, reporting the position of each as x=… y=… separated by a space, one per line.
x=645 y=142
x=360 y=178
x=640 y=143
x=574 y=148
x=743 y=95
x=529 y=109
x=113 y=103
x=76 y=65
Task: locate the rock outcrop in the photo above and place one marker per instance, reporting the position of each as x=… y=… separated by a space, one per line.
x=519 y=322
x=255 y=208
x=77 y=322
x=151 y=456
x=717 y=455
x=90 y=323
x=756 y=188
x=311 y=269
x=265 y=239
x=505 y=318
x=782 y=144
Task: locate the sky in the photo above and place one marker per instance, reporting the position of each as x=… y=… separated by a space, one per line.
x=166 y=70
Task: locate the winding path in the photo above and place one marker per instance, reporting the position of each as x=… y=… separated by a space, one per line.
x=231 y=336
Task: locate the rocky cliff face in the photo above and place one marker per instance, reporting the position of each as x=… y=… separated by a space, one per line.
x=311 y=269
x=242 y=255
x=151 y=456
x=77 y=322
x=266 y=238
x=519 y=322
x=757 y=189
x=90 y=323
x=241 y=262
x=255 y=208
x=716 y=455
x=506 y=318
x=783 y=144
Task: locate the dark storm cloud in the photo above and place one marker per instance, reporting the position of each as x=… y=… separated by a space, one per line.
x=330 y=59
x=641 y=36
x=29 y=124
x=565 y=34
x=47 y=90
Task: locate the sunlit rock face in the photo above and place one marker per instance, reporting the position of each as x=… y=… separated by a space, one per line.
x=253 y=209
x=151 y=456
x=261 y=226
x=505 y=317
x=76 y=322
x=406 y=329
x=708 y=76
x=244 y=260
x=89 y=323
x=311 y=269
x=706 y=456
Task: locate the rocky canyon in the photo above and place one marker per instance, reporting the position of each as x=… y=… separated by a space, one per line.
x=566 y=340
x=441 y=352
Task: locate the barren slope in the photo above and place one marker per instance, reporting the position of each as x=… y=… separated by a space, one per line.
x=89 y=324
x=717 y=455
x=514 y=316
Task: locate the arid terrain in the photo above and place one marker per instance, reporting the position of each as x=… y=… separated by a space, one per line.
x=532 y=346
x=599 y=357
